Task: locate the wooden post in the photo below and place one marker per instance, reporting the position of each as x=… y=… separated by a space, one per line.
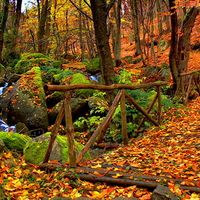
x=70 y=130
x=54 y=133
x=159 y=105
x=148 y=111
x=141 y=110
x=123 y=118
x=101 y=128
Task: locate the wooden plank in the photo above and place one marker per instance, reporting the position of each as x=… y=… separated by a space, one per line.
x=159 y=105
x=102 y=87
x=54 y=133
x=101 y=128
x=141 y=110
x=70 y=130
x=148 y=111
x=123 y=119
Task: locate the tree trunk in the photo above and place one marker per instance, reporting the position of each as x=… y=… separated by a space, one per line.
x=42 y=26
x=184 y=39
x=159 y=16
x=117 y=45
x=81 y=32
x=99 y=13
x=4 y=16
x=136 y=29
x=180 y=43
x=174 y=44
x=15 y=28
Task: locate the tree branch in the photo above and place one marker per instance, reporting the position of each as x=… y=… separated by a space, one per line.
x=80 y=10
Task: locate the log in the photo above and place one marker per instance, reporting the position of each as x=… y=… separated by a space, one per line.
x=141 y=110
x=188 y=73
x=102 y=87
x=126 y=182
x=123 y=119
x=106 y=176
x=70 y=130
x=54 y=133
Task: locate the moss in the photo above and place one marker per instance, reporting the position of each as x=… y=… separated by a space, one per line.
x=34 y=152
x=14 y=141
x=34 y=55
x=93 y=66
x=81 y=79
x=57 y=64
x=31 y=60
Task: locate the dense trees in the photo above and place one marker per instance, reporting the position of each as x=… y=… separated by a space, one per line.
x=78 y=28
x=3 y=18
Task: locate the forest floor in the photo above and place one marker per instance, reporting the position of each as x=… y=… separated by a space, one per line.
x=171 y=151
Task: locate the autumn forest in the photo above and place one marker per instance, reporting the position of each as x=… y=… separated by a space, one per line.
x=100 y=99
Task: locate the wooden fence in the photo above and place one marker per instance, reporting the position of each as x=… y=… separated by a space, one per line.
x=65 y=111
x=187 y=83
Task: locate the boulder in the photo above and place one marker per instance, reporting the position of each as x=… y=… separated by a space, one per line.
x=79 y=109
x=93 y=66
x=14 y=141
x=79 y=78
x=31 y=60
x=36 y=149
x=54 y=98
x=27 y=103
x=163 y=193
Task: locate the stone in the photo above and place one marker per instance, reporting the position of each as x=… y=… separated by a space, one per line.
x=28 y=104
x=14 y=141
x=79 y=109
x=35 y=150
x=163 y=193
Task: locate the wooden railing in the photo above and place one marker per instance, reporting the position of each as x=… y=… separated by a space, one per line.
x=65 y=111
x=187 y=83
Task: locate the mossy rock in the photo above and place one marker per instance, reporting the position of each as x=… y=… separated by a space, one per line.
x=37 y=59
x=81 y=79
x=14 y=141
x=28 y=104
x=64 y=76
x=36 y=149
x=29 y=61
x=93 y=66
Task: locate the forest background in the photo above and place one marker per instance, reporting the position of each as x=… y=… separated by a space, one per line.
x=152 y=33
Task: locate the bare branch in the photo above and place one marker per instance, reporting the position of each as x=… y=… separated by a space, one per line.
x=80 y=10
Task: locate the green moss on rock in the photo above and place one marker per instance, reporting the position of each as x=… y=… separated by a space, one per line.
x=28 y=105
x=35 y=150
x=14 y=141
x=81 y=79
x=31 y=60
x=93 y=66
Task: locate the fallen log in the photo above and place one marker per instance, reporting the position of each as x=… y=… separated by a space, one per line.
x=126 y=182
x=123 y=179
